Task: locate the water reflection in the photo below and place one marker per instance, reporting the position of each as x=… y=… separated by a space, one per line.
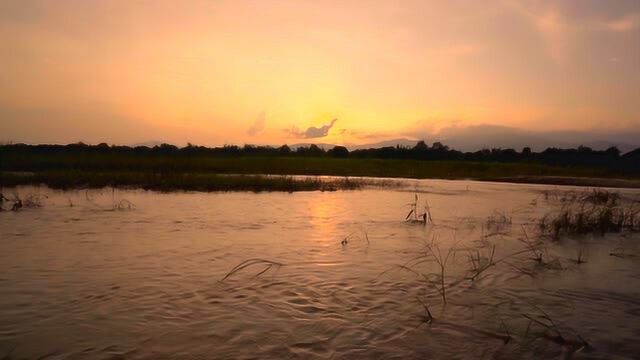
x=326 y=212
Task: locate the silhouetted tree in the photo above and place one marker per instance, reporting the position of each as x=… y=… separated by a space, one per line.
x=22 y=157
x=421 y=146
x=312 y=150
x=284 y=150
x=338 y=151
x=438 y=146
x=613 y=151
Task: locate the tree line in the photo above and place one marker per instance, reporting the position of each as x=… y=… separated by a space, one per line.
x=582 y=156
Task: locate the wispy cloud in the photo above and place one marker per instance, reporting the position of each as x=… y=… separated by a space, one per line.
x=560 y=23
x=313 y=132
x=258 y=125
x=555 y=31
x=550 y=24
x=626 y=23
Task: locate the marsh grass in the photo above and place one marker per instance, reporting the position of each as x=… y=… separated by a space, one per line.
x=414 y=217
x=427 y=317
x=621 y=253
x=123 y=204
x=551 y=331
x=34 y=200
x=172 y=181
x=594 y=196
x=116 y=204
x=437 y=268
x=479 y=263
x=599 y=197
x=434 y=252
x=595 y=213
x=498 y=223
x=535 y=248
x=582 y=254
x=30 y=201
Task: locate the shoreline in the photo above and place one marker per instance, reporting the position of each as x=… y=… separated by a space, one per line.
x=617 y=183
x=222 y=182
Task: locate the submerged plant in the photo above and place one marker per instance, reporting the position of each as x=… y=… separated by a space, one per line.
x=33 y=200
x=498 y=222
x=266 y=264
x=433 y=253
x=123 y=204
x=552 y=332
x=428 y=317
x=582 y=255
x=480 y=263
x=362 y=236
x=535 y=248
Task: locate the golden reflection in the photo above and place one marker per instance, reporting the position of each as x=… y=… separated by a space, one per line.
x=325 y=213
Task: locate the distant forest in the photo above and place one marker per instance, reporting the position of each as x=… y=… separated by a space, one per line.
x=17 y=157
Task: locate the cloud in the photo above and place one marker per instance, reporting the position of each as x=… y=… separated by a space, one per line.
x=313 y=132
x=560 y=24
x=258 y=125
x=625 y=23
x=554 y=30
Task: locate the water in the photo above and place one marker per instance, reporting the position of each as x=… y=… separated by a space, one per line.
x=90 y=282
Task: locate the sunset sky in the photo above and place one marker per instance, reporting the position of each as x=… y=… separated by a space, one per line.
x=273 y=72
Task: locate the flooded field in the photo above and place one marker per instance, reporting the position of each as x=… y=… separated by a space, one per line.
x=115 y=274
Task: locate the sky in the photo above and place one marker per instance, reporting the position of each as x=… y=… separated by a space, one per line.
x=273 y=72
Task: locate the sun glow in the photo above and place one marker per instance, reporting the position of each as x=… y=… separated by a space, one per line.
x=206 y=71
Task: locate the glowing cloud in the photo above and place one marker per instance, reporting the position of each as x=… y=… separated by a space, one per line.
x=314 y=132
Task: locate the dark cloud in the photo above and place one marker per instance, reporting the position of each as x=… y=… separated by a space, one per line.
x=314 y=132
x=258 y=125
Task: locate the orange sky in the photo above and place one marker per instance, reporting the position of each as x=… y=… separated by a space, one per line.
x=214 y=72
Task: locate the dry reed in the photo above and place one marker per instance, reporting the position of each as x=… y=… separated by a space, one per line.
x=268 y=264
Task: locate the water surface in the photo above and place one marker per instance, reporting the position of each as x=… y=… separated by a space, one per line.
x=80 y=280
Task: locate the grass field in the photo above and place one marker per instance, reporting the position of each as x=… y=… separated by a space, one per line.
x=202 y=173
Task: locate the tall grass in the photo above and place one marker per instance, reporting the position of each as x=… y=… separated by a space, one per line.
x=498 y=223
x=414 y=216
x=181 y=181
x=480 y=263
x=534 y=247
x=593 y=212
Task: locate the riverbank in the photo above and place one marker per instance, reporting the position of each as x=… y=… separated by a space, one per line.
x=177 y=181
x=168 y=181
x=572 y=181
